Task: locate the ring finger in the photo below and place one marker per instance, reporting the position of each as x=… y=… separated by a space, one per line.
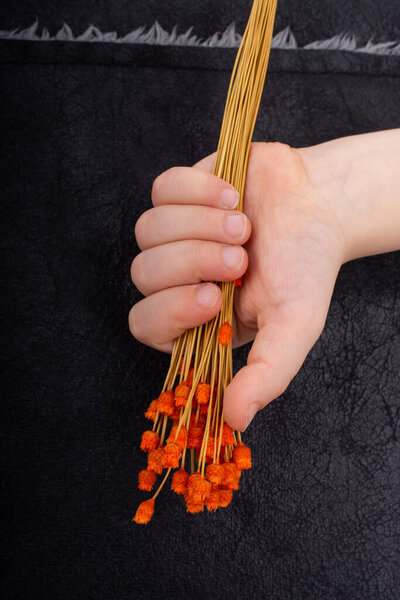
x=185 y=262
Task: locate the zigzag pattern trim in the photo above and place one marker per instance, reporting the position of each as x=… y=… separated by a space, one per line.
x=158 y=36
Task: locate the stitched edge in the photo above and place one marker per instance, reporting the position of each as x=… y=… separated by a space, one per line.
x=156 y=35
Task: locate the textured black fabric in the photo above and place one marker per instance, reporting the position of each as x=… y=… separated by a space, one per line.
x=85 y=129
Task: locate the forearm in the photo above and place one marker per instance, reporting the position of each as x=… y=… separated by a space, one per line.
x=360 y=176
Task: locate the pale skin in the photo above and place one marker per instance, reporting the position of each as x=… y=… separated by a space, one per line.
x=307 y=211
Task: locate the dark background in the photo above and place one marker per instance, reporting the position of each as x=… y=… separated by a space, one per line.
x=85 y=129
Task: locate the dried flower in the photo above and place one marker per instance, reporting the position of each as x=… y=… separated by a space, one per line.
x=203 y=393
x=195 y=436
x=225 y=497
x=171 y=456
x=231 y=476
x=198 y=488
x=213 y=499
x=147 y=480
x=144 y=512
x=215 y=473
x=180 y=481
x=155 y=460
x=180 y=439
x=225 y=333
x=242 y=456
x=182 y=392
x=150 y=441
x=166 y=403
x=227 y=435
x=151 y=412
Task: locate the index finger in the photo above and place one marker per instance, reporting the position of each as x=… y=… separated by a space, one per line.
x=194 y=185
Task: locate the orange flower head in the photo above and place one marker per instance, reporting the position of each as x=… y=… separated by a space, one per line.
x=194 y=507
x=155 y=460
x=225 y=497
x=198 y=488
x=231 y=476
x=180 y=481
x=215 y=473
x=227 y=435
x=210 y=449
x=182 y=392
x=213 y=499
x=147 y=480
x=191 y=505
x=151 y=412
x=144 y=512
x=225 y=333
x=180 y=440
x=238 y=282
x=195 y=436
x=171 y=456
x=150 y=441
x=242 y=456
x=203 y=393
x=166 y=403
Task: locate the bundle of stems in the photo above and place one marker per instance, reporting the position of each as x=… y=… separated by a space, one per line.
x=208 y=455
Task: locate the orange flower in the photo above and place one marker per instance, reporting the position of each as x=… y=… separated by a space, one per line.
x=198 y=488
x=171 y=456
x=225 y=497
x=203 y=393
x=213 y=499
x=210 y=449
x=191 y=505
x=195 y=436
x=180 y=441
x=146 y=480
x=154 y=460
x=227 y=435
x=242 y=456
x=182 y=392
x=165 y=403
x=194 y=507
x=215 y=473
x=225 y=333
x=151 y=412
x=231 y=476
x=144 y=512
x=179 y=481
x=150 y=441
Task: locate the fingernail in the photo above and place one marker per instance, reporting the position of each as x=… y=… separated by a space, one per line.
x=252 y=410
x=232 y=256
x=206 y=295
x=229 y=198
x=235 y=225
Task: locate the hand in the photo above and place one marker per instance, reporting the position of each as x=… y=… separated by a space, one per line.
x=299 y=228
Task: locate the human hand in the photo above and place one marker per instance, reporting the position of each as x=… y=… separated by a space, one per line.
x=297 y=232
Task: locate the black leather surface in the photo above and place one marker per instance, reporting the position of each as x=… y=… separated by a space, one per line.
x=318 y=516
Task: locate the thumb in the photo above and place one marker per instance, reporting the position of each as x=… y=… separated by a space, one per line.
x=279 y=349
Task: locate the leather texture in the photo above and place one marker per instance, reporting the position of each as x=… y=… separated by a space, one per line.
x=85 y=129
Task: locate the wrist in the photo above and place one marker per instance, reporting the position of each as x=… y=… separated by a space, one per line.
x=357 y=179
